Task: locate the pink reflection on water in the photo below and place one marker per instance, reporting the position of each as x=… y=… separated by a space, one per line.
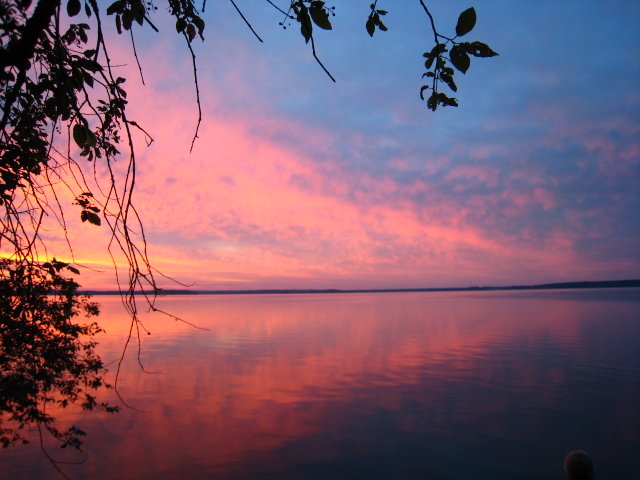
x=273 y=372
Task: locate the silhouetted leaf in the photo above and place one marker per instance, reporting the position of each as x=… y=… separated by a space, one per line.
x=115 y=7
x=479 y=49
x=89 y=64
x=424 y=87
x=438 y=49
x=180 y=24
x=445 y=100
x=320 y=15
x=73 y=7
x=199 y=23
x=306 y=32
x=432 y=102
x=305 y=22
x=466 y=22
x=138 y=14
x=88 y=79
x=87 y=216
x=73 y=269
x=191 y=32
x=429 y=62
x=91 y=139
x=448 y=79
x=370 y=26
x=459 y=58
x=435 y=52
x=83 y=35
x=127 y=19
x=80 y=134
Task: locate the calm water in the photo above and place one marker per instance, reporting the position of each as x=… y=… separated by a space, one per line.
x=487 y=385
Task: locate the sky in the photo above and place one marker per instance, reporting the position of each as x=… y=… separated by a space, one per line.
x=299 y=182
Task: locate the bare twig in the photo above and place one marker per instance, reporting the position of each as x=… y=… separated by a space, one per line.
x=286 y=14
x=433 y=24
x=243 y=18
x=135 y=54
x=52 y=461
x=178 y=319
x=195 y=79
x=313 y=49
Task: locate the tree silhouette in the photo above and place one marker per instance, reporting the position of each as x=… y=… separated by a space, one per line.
x=47 y=357
x=64 y=118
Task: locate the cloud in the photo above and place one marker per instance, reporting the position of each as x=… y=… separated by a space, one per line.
x=297 y=182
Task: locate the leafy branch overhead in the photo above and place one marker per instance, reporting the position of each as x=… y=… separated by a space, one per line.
x=89 y=210
x=439 y=71
x=307 y=13
x=374 y=20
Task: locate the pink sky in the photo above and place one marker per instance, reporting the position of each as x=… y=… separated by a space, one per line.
x=299 y=183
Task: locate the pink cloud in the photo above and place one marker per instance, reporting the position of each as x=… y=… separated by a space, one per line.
x=233 y=215
x=264 y=200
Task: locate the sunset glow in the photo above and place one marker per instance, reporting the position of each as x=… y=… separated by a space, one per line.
x=277 y=382
x=296 y=182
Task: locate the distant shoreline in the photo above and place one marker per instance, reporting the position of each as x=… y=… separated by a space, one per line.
x=544 y=286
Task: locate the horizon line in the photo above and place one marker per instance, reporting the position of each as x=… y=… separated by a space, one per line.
x=543 y=286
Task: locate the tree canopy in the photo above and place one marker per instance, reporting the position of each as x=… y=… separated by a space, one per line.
x=64 y=124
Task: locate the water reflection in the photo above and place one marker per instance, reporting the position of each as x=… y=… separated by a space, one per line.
x=398 y=385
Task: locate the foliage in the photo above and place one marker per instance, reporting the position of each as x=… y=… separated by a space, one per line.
x=436 y=60
x=308 y=13
x=54 y=80
x=47 y=357
x=57 y=86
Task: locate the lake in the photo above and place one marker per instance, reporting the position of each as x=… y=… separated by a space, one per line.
x=447 y=385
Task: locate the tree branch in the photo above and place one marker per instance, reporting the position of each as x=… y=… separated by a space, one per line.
x=245 y=20
x=195 y=79
x=20 y=51
x=313 y=49
x=135 y=54
x=286 y=14
x=433 y=24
